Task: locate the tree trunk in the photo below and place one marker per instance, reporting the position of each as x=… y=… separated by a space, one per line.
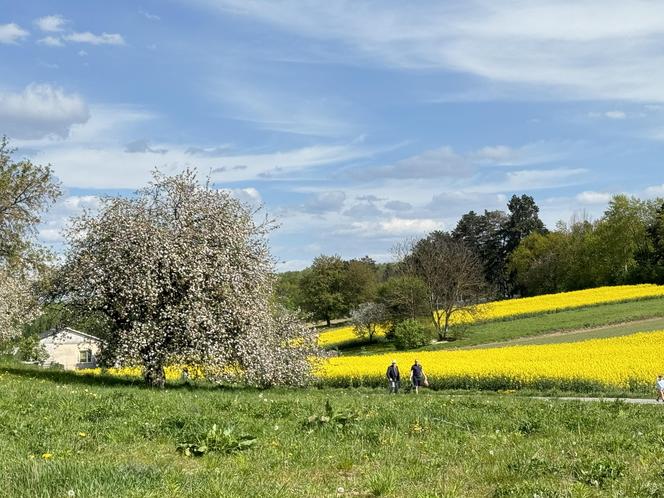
x=155 y=375
x=329 y=322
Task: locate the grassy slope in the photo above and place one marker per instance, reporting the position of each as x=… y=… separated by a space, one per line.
x=506 y=330
x=432 y=445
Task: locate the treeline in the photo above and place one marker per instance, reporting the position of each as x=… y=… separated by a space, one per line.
x=512 y=251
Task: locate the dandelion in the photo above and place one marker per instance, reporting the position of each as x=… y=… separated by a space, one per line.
x=82 y=434
x=47 y=456
x=340 y=490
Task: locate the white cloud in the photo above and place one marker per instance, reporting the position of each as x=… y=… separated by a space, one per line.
x=591 y=198
x=149 y=16
x=248 y=195
x=615 y=114
x=392 y=227
x=41 y=110
x=92 y=39
x=51 y=41
x=51 y=24
x=534 y=153
x=12 y=33
x=655 y=190
x=536 y=179
x=596 y=49
x=324 y=202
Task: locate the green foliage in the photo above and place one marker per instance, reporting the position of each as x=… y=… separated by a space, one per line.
x=29 y=349
x=337 y=419
x=331 y=287
x=26 y=190
x=404 y=297
x=410 y=334
x=216 y=440
x=322 y=287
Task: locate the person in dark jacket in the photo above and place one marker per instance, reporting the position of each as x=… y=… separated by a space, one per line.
x=417 y=377
x=393 y=377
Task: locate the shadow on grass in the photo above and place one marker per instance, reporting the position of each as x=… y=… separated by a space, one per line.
x=103 y=380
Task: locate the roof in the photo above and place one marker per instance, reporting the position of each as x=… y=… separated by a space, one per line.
x=69 y=330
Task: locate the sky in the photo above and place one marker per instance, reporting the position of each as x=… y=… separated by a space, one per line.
x=356 y=124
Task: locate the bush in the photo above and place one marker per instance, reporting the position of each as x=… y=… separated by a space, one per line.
x=410 y=334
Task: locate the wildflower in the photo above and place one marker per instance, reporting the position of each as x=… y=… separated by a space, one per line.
x=82 y=434
x=340 y=490
x=47 y=456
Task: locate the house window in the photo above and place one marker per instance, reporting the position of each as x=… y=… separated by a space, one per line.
x=85 y=356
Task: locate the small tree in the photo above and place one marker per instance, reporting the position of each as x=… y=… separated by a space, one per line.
x=410 y=334
x=367 y=317
x=182 y=275
x=453 y=276
x=322 y=289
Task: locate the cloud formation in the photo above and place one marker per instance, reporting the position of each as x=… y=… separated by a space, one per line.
x=12 y=33
x=41 y=110
x=597 y=49
x=51 y=24
x=92 y=39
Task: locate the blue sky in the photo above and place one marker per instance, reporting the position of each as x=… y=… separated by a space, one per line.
x=356 y=123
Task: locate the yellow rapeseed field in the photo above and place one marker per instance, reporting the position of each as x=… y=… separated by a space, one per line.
x=627 y=362
x=530 y=305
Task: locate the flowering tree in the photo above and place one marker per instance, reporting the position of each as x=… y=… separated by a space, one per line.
x=367 y=317
x=18 y=304
x=26 y=190
x=183 y=275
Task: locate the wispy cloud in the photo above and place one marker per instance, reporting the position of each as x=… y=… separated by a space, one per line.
x=282 y=111
x=92 y=39
x=598 y=49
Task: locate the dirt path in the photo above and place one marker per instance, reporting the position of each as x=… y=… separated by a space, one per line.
x=633 y=401
x=541 y=338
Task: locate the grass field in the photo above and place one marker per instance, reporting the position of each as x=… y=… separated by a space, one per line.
x=67 y=436
x=546 y=323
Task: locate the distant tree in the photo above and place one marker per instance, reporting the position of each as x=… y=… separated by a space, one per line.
x=183 y=275
x=403 y=297
x=452 y=274
x=360 y=280
x=287 y=289
x=366 y=319
x=621 y=234
x=538 y=263
x=485 y=236
x=322 y=289
x=650 y=256
x=523 y=220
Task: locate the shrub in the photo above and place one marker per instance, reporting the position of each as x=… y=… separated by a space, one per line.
x=410 y=334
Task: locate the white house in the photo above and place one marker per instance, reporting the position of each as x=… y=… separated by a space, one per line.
x=70 y=348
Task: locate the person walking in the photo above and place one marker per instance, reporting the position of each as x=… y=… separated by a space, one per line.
x=660 y=388
x=393 y=377
x=417 y=377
